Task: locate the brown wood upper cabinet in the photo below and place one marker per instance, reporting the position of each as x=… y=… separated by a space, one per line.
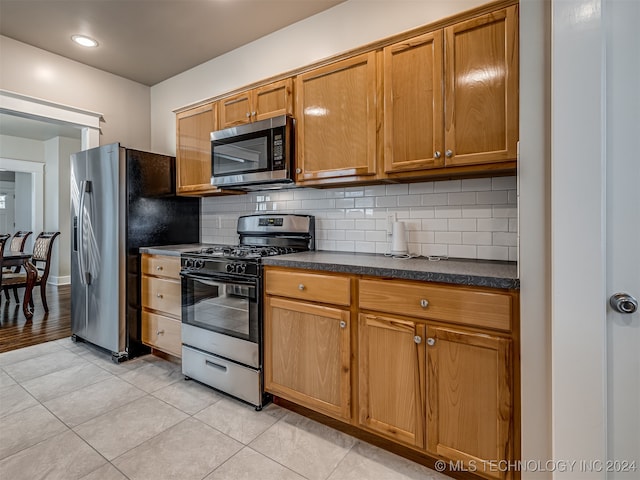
x=257 y=104
x=451 y=96
x=481 y=89
x=336 y=121
x=193 y=151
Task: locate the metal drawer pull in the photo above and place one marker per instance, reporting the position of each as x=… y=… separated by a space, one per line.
x=301 y=287
x=417 y=339
x=159 y=332
x=424 y=303
x=431 y=341
x=248 y=114
x=216 y=365
x=437 y=154
x=343 y=324
x=159 y=267
x=449 y=153
x=159 y=295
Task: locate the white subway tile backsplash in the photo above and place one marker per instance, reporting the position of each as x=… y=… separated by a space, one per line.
x=397 y=189
x=493 y=253
x=434 y=250
x=507 y=239
x=391 y=201
x=409 y=200
x=462 y=251
x=354 y=235
x=435 y=225
x=432 y=199
x=462 y=224
x=365 y=202
x=477 y=238
x=345 y=202
x=471 y=218
x=503 y=183
x=448 y=238
x=418 y=188
x=462 y=198
x=447 y=186
x=493 y=197
x=448 y=212
x=493 y=224
x=476 y=184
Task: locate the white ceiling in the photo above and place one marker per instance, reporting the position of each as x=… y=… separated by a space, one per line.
x=149 y=41
x=146 y=41
x=33 y=129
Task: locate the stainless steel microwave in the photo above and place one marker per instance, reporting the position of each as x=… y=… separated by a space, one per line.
x=254 y=156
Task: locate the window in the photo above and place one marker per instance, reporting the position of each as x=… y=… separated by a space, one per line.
x=3 y=201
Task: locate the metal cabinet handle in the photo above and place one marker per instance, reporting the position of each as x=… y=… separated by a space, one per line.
x=437 y=154
x=159 y=268
x=254 y=113
x=248 y=114
x=623 y=303
x=417 y=339
x=449 y=153
x=424 y=303
x=431 y=341
x=301 y=287
x=159 y=332
x=159 y=295
x=298 y=170
x=343 y=324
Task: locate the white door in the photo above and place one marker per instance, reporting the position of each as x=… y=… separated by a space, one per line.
x=7 y=210
x=622 y=18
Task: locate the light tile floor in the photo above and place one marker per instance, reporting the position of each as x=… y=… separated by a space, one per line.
x=67 y=412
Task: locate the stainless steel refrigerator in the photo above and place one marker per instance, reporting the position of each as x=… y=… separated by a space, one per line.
x=121 y=199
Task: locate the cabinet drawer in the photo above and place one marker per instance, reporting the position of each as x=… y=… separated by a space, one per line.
x=161 y=294
x=450 y=304
x=309 y=286
x=162 y=333
x=161 y=266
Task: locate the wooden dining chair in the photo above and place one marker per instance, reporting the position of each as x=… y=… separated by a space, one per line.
x=18 y=241
x=41 y=259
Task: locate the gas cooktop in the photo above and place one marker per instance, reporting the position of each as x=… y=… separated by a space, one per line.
x=240 y=252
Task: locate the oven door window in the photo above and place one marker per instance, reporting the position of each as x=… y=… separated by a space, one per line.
x=238 y=155
x=226 y=307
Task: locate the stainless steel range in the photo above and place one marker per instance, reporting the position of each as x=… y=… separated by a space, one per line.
x=222 y=318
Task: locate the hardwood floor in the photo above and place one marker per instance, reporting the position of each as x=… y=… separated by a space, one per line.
x=17 y=332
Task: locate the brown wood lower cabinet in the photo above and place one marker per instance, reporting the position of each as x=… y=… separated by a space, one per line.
x=470 y=398
x=161 y=303
x=307 y=355
x=391 y=367
x=418 y=368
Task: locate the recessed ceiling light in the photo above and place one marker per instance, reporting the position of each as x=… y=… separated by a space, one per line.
x=84 y=41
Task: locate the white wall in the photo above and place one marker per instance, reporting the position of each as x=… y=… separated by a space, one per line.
x=341 y=28
x=123 y=103
x=57 y=204
x=21 y=149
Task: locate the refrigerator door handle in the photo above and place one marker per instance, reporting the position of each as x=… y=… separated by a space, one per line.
x=85 y=276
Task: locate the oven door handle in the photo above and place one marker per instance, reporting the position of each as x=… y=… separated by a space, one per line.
x=214 y=281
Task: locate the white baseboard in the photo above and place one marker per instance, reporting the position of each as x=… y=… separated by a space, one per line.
x=65 y=280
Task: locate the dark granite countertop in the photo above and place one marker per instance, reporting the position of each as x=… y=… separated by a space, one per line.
x=480 y=273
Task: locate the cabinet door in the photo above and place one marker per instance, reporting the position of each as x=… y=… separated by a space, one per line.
x=469 y=401
x=193 y=148
x=413 y=109
x=235 y=110
x=307 y=355
x=273 y=100
x=391 y=361
x=336 y=115
x=481 y=100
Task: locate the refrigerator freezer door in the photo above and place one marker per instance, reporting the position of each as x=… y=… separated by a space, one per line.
x=99 y=246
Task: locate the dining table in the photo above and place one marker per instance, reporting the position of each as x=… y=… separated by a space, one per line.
x=14 y=259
